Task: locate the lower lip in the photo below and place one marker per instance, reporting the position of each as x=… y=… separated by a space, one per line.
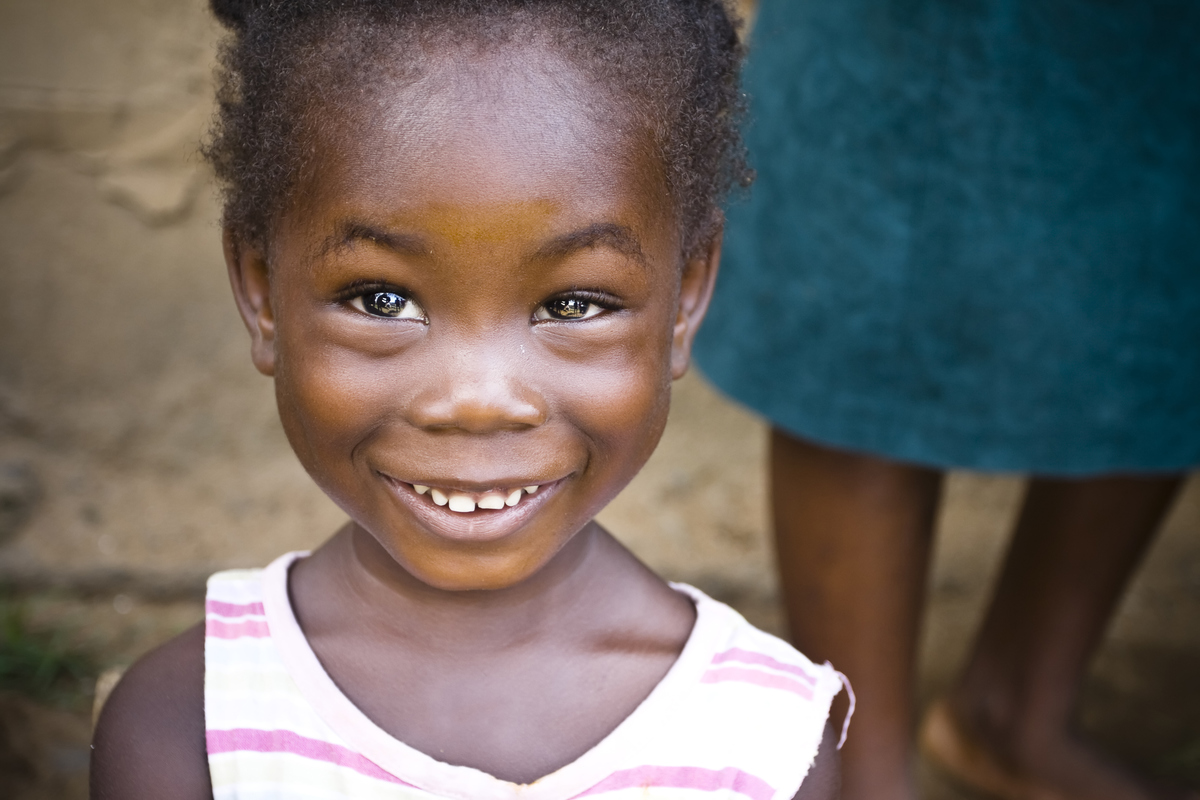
x=480 y=525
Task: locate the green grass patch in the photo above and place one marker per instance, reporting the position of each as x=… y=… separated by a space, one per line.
x=41 y=664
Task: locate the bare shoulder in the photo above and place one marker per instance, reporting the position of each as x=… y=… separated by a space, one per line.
x=824 y=780
x=149 y=740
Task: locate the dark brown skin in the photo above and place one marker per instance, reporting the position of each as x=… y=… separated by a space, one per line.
x=854 y=534
x=149 y=740
x=469 y=637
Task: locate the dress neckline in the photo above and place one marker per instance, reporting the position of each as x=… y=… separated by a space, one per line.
x=448 y=780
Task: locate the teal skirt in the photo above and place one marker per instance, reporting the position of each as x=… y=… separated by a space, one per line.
x=974 y=240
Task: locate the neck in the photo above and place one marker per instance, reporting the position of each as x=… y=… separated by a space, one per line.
x=400 y=605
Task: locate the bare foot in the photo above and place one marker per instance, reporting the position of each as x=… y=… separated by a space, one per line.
x=1065 y=769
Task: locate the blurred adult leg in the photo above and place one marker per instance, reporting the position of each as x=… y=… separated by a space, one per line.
x=853 y=535
x=1076 y=544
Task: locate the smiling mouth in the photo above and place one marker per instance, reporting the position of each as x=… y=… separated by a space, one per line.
x=468 y=502
x=457 y=513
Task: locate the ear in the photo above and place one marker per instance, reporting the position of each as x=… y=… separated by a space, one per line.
x=251 y=282
x=699 y=276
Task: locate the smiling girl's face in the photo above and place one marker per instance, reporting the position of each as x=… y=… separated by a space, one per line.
x=473 y=313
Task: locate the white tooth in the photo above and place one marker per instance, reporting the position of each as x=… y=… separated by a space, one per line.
x=419 y=489
x=491 y=500
x=513 y=498
x=462 y=503
x=437 y=496
x=531 y=489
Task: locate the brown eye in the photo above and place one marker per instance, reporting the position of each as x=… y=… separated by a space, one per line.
x=568 y=308
x=384 y=304
x=390 y=305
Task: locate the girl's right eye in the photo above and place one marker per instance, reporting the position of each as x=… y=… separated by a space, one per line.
x=389 y=305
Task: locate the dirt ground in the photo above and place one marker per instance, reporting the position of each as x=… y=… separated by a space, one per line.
x=139 y=451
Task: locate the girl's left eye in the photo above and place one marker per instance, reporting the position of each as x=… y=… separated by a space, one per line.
x=390 y=305
x=568 y=308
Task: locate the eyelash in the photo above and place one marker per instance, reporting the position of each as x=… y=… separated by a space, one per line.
x=359 y=288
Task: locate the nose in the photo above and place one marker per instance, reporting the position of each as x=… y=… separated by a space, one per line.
x=480 y=387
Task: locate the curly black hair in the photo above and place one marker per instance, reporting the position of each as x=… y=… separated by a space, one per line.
x=672 y=63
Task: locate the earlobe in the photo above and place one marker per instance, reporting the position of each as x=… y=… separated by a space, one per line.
x=251 y=283
x=699 y=277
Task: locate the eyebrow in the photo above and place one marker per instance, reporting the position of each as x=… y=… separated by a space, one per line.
x=350 y=232
x=601 y=234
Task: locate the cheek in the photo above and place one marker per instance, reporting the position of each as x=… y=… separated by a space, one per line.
x=636 y=418
x=623 y=403
x=328 y=406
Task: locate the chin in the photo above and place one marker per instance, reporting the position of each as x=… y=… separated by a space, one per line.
x=474 y=571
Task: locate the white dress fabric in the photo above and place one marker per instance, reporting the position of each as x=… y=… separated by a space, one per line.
x=739 y=716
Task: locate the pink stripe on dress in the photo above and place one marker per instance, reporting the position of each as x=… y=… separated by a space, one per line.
x=698 y=778
x=219 y=629
x=223 y=609
x=750 y=657
x=280 y=741
x=764 y=679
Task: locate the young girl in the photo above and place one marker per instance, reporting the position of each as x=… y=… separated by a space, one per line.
x=472 y=241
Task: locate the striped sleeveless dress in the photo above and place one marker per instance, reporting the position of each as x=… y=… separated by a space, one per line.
x=739 y=716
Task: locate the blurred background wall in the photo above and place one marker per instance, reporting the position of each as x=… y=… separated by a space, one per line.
x=140 y=451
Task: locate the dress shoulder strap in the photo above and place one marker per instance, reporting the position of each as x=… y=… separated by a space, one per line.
x=265 y=740
x=757 y=705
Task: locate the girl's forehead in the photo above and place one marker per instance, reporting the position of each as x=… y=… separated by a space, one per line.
x=523 y=98
x=514 y=129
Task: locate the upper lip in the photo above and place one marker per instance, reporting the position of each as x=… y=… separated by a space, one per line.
x=503 y=485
